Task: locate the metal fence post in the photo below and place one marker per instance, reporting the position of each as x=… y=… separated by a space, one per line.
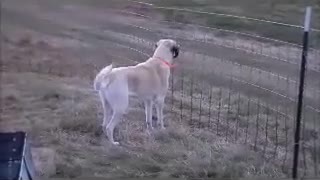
x=301 y=88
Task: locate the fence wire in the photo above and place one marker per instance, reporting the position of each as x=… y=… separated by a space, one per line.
x=268 y=104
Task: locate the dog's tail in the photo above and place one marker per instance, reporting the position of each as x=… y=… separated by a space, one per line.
x=99 y=78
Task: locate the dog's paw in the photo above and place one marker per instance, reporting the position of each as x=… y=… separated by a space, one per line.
x=149 y=132
x=116 y=143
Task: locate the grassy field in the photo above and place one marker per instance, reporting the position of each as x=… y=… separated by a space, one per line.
x=52 y=50
x=286 y=11
x=59 y=111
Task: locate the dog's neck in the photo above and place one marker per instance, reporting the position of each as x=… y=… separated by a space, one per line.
x=166 y=63
x=165 y=57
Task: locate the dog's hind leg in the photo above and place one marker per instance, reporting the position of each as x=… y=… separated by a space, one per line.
x=118 y=99
x=116 y=117
x=106 y=109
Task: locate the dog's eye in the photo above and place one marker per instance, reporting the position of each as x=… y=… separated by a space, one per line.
x=156 y=46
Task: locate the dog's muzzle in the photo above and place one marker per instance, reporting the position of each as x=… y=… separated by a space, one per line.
x=175 y=51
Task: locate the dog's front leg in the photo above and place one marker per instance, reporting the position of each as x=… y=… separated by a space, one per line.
x=159 y=109
x=148 y=111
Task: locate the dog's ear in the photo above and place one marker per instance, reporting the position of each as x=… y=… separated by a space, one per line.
x=175 y=51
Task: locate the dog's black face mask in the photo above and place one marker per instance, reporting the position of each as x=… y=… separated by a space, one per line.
x=175 y=51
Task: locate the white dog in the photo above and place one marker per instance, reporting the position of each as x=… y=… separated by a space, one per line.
x=149 y=81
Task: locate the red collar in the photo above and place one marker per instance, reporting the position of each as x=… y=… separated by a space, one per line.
x=166 y=63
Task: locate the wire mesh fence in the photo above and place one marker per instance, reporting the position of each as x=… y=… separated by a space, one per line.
x=244 y=88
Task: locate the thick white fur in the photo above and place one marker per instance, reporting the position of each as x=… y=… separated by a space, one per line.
x=103 y=73
x=148 y=81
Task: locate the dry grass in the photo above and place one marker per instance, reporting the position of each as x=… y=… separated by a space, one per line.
x=60 y=114
x=46 y=112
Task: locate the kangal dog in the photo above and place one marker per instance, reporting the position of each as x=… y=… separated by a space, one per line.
x=149 y=81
